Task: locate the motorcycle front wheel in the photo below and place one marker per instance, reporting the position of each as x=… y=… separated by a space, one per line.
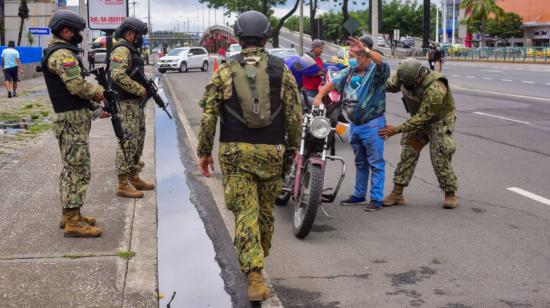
x=305 y=208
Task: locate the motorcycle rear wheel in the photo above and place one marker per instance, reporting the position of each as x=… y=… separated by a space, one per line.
x=305 y=208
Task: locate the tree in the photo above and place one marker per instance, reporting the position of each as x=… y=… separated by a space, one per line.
x=332 y=26
x=2 y=28
x=293 y=23
x=481 y=11
x=280 y=24
x=406 y=16
x=508 y=26
x=23 y=14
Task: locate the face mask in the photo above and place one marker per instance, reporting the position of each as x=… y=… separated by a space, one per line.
x=353 y=63
x=76 y=39
x=138 y=42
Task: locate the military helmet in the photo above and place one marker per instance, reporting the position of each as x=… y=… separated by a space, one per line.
x=65 y=18
x=367 y=41
x=408 y=71
x=252 y=24
x=131 y=23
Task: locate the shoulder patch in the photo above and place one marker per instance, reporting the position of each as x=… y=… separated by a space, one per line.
x=117 y=58
x=69 y=62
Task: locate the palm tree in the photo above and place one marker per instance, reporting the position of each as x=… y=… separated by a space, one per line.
x=479 y=11
x=23 y=14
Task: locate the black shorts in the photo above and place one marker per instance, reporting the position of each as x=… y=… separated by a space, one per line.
x=11 y=74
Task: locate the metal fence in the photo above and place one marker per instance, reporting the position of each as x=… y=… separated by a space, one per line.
x=498 y=54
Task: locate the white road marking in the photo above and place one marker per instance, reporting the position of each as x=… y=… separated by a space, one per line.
x=529 y=195
x=488 y=78
x=455 y=75
x=502 y=118
x=548 y=83
x=470 y=77
x=507 y=80
x=526 y=81
x=491 y=71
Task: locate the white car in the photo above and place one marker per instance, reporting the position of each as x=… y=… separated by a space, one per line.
x=184 y=58
x=234 y=49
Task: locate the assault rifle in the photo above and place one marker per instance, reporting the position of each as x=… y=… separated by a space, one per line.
x=152 y=90
x=112 y=104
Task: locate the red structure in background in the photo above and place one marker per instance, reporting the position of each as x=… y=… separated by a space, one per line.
x=216 y=37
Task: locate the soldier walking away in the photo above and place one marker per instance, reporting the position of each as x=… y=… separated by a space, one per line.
x=125 y=61
x=257 y=99
x=70 y=95
x=429 y=101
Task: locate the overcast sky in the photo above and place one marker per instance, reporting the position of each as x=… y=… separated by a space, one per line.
x=171 y=14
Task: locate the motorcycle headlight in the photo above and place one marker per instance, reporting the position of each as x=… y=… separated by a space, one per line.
x=320 y=127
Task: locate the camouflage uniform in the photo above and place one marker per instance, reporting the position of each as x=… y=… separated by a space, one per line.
x=252 y=173
x=72 y=128
x=132 y=116
x=433 y=122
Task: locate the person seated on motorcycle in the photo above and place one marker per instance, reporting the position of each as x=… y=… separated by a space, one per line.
x=312 y=83
x=362 y=86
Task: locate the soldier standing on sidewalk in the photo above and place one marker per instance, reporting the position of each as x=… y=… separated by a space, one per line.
x=70 y=95
x=258 y=101
x=429 y=101
x=124 y=62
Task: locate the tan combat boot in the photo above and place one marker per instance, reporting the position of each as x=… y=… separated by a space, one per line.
x=450 y=200
x=64 y=217
x=76 y=227
x=395 y=197
x=257 y=290
x=141 y=164
x=126 y=190
x=140 y=184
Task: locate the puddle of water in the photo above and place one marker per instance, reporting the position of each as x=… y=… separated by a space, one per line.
x=185 y=252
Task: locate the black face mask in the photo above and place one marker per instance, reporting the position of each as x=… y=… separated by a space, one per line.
x=138 y=42
x=76 y=39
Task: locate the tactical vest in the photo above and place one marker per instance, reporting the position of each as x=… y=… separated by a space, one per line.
x=413 y=99
x=233 y=124
x=62 y=100
x=136 y=62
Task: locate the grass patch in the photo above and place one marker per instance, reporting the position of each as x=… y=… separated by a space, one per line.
x=126 y=254
x=68 y=256
x=39 y=127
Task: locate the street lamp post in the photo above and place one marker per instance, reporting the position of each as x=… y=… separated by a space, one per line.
x=436 y=24
x=444 y=12
x=454 y=22
x=301 y=25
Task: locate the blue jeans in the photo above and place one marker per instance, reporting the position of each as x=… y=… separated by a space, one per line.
x=369 y=158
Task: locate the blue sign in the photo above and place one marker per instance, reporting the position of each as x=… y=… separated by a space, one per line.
x=39 y=31
x=145 y=41
x=28 y=54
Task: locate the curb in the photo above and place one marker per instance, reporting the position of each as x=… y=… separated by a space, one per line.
x=216 y=189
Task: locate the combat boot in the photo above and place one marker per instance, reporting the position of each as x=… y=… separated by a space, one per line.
x=64 y=217
x=257 y=290
x=140 y=184
x=141 y=164
x=126 y=190
x=395 y=197
x=450 y=200
x=76 y=227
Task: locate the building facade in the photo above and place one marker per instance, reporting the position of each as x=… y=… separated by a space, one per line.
x=536 y=19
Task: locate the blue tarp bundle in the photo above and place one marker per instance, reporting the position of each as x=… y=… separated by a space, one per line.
x=28 y=54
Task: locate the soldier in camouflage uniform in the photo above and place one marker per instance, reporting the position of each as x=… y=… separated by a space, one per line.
x=70 y=95
x=257 y=99
x=429 y=100
x=125 y=61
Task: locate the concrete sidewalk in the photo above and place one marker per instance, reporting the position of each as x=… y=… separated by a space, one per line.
x=41 y=268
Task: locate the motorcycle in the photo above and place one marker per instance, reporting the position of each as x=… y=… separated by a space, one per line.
x=304 y=183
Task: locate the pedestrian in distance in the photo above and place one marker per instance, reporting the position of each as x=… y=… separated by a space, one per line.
x=91 y=60
x=429 y=101
x=70 y=95
x=363 y=83
x=256 y=97
x=312 y=83
x=125 y=61
x=431 y=56
x=439 y=58
x=11 y=63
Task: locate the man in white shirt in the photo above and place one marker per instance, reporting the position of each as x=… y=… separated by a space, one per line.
x=11 y=63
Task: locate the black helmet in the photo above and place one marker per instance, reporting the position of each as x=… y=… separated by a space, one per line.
x=65 y=18
x=131 y=23
x=252 y=24
x=367 y=41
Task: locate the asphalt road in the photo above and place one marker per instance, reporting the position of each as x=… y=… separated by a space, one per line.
x=492 y=251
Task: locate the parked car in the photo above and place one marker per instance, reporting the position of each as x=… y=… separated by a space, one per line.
x=382 y=42
x=100 y=54
x=233 y=50
x=283 y=53
x=184 y=58
x=406 y=42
